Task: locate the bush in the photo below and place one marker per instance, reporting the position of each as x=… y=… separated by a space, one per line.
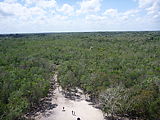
x=154 y=110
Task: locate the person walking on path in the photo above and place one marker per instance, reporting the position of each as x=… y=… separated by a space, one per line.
x=73 y=112
x=78 y=119
x=63 y=109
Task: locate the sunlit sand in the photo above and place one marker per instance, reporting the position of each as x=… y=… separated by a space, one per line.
x=82 y=109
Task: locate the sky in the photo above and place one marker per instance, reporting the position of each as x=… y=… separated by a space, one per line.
x=36 y=16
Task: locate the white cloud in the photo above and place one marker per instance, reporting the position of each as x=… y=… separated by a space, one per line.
x=18 y=17
x=87 y=6
x=46 y=4
x=37 y=16
x=66 y=9
x=95 y=18
x=151 y=7
x=155 y=8
x=41 y=3
x=111 y=12
x=112 y=19
x=145 y=3
x=114 y=14
x=21 y=11
x=131 y=12
x=10 y=1
x=30 y=2
x=8 y=8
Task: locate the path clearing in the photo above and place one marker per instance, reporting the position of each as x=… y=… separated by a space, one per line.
x=81 y=107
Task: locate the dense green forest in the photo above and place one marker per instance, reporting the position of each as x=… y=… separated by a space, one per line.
x=119 y=70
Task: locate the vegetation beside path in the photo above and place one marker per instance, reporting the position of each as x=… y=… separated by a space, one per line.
x=120 y=70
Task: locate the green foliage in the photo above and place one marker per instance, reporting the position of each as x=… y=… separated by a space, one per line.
x=24 y=76
x=17 y=105
x=155 y=109
x=99 y=63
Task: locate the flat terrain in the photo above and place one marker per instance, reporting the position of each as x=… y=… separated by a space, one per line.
x=120 y=70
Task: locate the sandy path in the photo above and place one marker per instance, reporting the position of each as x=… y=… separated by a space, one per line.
x=81 y=107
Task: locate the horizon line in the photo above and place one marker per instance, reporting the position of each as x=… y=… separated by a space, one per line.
x=52 y=32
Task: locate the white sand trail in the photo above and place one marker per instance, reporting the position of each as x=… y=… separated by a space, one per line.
x=81 y=107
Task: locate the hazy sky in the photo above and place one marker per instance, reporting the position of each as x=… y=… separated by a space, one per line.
x=78 y=15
